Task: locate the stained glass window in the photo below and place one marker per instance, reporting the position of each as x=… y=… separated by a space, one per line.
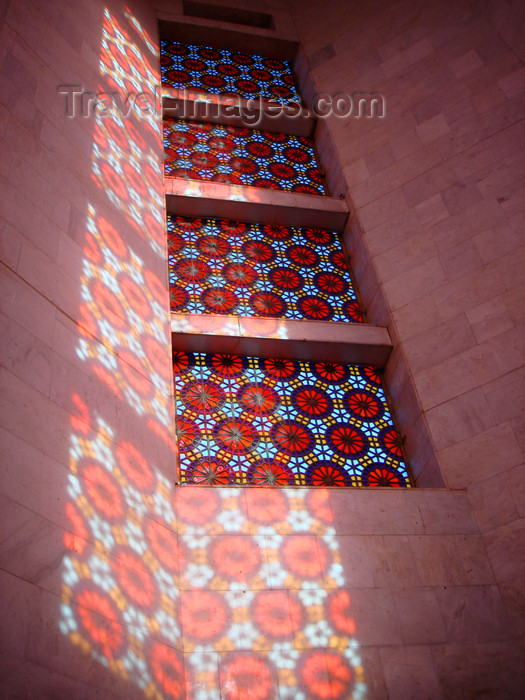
x=283 y=422
x=224 y=72
x=230 y=267
x=241 y=156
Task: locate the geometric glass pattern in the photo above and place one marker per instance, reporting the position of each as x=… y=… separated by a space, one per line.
x=241 y=156
x=281 y=422
x=225 y=72
x=230 y=267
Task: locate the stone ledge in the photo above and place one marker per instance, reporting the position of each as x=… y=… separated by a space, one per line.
x=267 y=115
x=223 y=35
x=348 y=343
x=186 y=197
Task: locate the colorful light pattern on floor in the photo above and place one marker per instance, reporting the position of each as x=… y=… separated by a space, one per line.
x=225 y=72
x=280 y=422
x=241 y=156
x=231 y=267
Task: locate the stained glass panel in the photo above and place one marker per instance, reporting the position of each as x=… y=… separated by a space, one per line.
x=240 y=156
x=283 y=422
x=224 y=72
x=231 y=267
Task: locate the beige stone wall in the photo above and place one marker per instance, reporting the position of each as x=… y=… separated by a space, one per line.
x=434 y=576
x=74 y=391
x=438 y=235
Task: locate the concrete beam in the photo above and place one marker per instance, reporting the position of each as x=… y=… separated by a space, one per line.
x=268 y=115
x=254 y=204
x=222 y=35
x=347 y=343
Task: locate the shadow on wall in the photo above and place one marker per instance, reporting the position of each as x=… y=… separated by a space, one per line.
x=188 y=592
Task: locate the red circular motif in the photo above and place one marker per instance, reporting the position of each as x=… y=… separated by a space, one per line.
x=383 y=476
x=236 y=435
x=302 y=255
x=282 y=171
x=99 y=617
x=319 y=236
x=339 y=611
x=182 y=361
x=246 y=677
x=258 y=251
x=192 y=270
x=270 y=474
x=292 y=437
x=203 y=397
x=352 y=311
x=330 y=283
x=185 y=225
x=220 y=301
x=318 y=502
x=133 y=579
x=209 y=473
x=213 y=246
x=311 y=401
x=103 y=491
x=267 y=304
x=277 y=232
x=367 y=406
x=203 y=615
x=187 y=432
x=305 y=555
x=347 y=440
x=178 y=298
x=315 y=308
x=227 y=365
x=240 y=274
x=327 y=676
x=236 y=557
x=285 y=278
x=266 y=505
x=258 y=398
x=135 y=465
x=326 y=474
x=277 y=614
x=164 y=544
x=391 y=441
x=331 y=372
x=196 y=506
x=168 y=670
x=232 y=227
x=371 y=374
x=244 y=165
x=278 y=368
x=260 y=149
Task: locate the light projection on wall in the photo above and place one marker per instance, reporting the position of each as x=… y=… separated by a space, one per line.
x=241 y=156
x=281 y=422
x=225 y=72
x=231 y=267
x=206 y=593
x=113 y=607
x=190 y=592
x=123 y=324
x=126 y=141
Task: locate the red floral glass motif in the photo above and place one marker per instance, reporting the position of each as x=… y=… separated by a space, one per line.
x=232 y=267
x=226 y=72
x=279 y=422
x=253 y=158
